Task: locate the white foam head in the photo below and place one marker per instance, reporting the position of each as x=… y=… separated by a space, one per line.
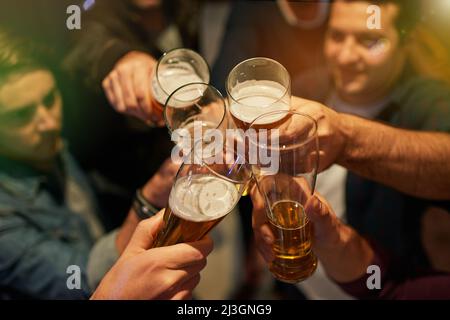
x=173 y=77
x=202 y=197
x=253 y=98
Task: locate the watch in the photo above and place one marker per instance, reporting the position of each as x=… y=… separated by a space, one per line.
x=142 y=207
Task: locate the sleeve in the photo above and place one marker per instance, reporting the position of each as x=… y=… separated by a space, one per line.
x=395 y=285
x=101 y=258
x=36 y=263
x=102 y=42
x=95 y=53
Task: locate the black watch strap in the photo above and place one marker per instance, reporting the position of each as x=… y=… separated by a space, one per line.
x=142 y=207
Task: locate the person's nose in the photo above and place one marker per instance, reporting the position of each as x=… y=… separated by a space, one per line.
x=348 y=54
x=46 y=120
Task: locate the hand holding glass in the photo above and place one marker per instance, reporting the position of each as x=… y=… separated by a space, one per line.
x=286 y=190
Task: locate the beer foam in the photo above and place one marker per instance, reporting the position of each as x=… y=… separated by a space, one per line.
x=256 y=97
x=202 y=197
x=172 y=77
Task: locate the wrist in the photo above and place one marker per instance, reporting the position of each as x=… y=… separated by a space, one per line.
x=346 y=134
x=126 y=230
x=143 y=205
x=149 y=195
x=350 y=258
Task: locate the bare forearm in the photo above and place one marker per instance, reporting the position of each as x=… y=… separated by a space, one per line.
x=349 y=260
x=126 y=231
x=416 y=163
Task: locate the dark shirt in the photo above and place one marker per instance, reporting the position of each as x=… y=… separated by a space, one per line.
x=258 y=28
x=103 y=140
x=113 y=28
x=389 y=217
x=426 y=284
x=383 y=213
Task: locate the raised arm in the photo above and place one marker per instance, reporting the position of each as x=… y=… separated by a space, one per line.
x=413 y=162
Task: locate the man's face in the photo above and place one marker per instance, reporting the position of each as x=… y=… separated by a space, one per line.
x=364 y=63
x=30 y=117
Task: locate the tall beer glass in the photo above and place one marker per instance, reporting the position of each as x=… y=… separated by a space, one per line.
x=257 y=86
x=286 y=190
x=203 y=194
x=173 y=70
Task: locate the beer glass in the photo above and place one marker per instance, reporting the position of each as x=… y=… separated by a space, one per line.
x=173 y=70
x=195 y=111
x=257 y=86
x=204 y=193
x=286 y=189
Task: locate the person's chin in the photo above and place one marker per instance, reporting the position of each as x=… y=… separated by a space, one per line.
x=49 y=150
x=351 y=88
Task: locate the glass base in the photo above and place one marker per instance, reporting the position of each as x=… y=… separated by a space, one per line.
x=294 y=271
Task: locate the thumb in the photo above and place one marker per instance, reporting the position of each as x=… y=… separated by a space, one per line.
x=317 y=210
x=322 y=216
x=146 y=232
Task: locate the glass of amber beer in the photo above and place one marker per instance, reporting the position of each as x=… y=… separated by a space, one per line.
x=257 y=86
x=204 y=193
x=286 y=189
x=173 y=70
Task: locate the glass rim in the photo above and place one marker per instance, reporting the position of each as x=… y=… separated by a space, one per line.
x=228 y=90
x=221 y=176
x=287 y=112
x=208 y=85
x=171 y=51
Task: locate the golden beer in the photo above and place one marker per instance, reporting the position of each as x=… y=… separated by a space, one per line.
x=294 y=260
x=197 y=203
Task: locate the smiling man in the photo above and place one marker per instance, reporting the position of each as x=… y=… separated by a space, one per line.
x=371 y=76
x=366 y=64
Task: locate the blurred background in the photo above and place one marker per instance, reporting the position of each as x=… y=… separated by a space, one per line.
x=119 y=153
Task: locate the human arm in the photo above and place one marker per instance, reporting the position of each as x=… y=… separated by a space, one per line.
x=346 y=255
x=156 y=191
x=109 y=53
x=402 y=159
x=143 y=272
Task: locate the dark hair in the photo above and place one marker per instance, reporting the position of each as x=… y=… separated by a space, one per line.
x=408 y=16
x=17 y=54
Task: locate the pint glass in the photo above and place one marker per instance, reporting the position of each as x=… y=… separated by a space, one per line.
x=203 y=194
x=257 y=86
x=173 y=70
x=286 y=189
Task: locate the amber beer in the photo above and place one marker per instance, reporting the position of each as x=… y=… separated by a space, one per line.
x=294 y=260
x=197 y=203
